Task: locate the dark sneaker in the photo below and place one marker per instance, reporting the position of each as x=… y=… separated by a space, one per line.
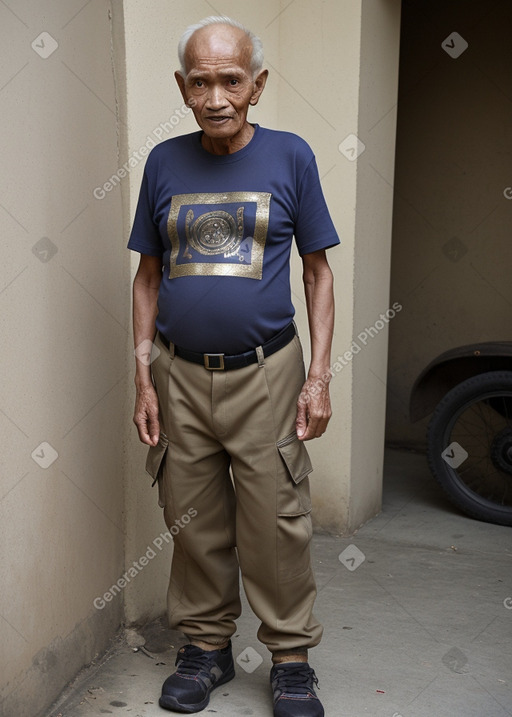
x=294 y=694
x=199 y=672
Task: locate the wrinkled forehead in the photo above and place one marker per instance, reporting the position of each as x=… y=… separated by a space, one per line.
x=218 y=44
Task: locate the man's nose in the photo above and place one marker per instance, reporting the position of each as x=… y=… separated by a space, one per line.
x=216 y=98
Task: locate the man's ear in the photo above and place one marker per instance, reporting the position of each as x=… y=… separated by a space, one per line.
x=181 y=84
x=259 y=86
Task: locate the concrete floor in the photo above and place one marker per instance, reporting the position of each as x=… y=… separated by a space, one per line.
x=417 y=622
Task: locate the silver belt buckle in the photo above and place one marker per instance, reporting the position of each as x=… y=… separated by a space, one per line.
x=207 y=357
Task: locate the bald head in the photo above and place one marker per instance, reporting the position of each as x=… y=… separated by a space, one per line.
x=218 y=29
x=217 y=44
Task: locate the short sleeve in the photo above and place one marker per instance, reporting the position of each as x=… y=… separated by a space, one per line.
x=314 y=229
x=145 y=236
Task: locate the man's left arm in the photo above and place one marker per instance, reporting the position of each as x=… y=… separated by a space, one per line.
x=314 y=404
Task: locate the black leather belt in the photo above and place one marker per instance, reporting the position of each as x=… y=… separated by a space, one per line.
x=228 y=362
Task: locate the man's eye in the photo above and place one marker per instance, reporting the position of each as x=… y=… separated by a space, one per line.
x=198 y=83
x=233 y=82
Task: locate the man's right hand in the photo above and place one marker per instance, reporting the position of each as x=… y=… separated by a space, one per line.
x=146 y=415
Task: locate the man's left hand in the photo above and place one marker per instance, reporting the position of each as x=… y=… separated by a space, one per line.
x=313 y=409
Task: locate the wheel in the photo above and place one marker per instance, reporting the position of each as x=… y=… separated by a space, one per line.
x=470 y=446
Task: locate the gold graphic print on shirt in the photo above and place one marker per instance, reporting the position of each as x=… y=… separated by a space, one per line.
x=218 y=234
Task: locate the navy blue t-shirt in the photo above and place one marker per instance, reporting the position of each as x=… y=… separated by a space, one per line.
x=223 y=225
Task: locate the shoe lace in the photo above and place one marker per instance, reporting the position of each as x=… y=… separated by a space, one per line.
x=191 y=659
x=298 y=680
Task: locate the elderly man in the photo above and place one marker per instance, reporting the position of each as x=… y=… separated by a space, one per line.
x=225 y=405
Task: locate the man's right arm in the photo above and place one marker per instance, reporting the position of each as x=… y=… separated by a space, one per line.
x=145 y=293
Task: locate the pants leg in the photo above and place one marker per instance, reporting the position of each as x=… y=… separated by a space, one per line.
x=273 y=512
x=203 y=597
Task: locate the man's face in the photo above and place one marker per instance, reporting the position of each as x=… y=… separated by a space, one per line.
x=219 y=84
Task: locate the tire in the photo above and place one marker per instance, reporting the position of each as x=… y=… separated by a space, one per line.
x=470 y=446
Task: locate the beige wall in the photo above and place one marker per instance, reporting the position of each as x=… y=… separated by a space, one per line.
x=359 y=45
x=64 y=320
x=451 y=229
x=374 y=201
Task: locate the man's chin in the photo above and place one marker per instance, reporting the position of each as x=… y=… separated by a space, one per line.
x=228 y=134
x=224 y=128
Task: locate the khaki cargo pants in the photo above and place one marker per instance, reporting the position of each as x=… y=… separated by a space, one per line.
x=258 y=520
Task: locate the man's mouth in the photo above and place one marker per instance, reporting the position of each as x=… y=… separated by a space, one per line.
x=218 y=119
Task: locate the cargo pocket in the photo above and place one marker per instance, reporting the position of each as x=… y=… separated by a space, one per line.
x=294 y=527
x=155 y=462
x=294 y=499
